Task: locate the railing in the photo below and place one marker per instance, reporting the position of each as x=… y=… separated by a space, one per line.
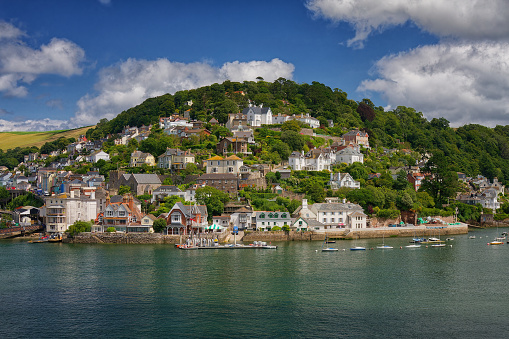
x=20 y=229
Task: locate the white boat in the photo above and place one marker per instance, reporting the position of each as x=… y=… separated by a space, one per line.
x=471 y=237
x=357 y=248
x=328 y=249
x=413 y=246
x=384 y=246
x=438 y=245
x=449 y=239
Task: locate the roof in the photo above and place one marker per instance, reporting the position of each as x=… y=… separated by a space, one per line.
x=167 y=188
x=311 y=222
x=217 y=157
x=147 y=178
x=233 y=157
x=256 y=110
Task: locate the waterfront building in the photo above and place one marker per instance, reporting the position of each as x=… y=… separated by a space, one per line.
x=267 y=220
x=187 y=219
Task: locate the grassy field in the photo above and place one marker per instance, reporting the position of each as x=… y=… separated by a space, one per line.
x=25 y=139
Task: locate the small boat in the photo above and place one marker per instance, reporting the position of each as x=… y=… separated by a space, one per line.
x=500 y=238
x=55 y=238
x=496 y=243
x=357 y=248
x=449 y=239
x=504 y=233
x=40 y=240
x=330 y=241
x=438 y=245
x=433 y=239
x=471 y=237
x=384 y=246
x=413 y=246
x=328 y=249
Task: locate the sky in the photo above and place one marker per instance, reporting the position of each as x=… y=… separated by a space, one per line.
x=66 y=64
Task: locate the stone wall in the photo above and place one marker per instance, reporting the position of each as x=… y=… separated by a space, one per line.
x=133 y=238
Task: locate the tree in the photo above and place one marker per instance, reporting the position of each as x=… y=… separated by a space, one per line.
x=442 y=181
x=401 y=181
x=282 y=149
x=124 y=190
x=213 y=198
x=159 y=225
x=78 y=227
x=294 y=140
x=111 y=229
x=291 y=125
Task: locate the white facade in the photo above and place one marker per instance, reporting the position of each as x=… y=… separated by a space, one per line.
x=258 y=116
x=314 y=160
x=99 y=155
x=231 y=164
x=349 y=156
x=338 y=180
x=61 y=211
x=266 y=220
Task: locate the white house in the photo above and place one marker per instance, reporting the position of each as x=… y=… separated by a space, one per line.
x=338 y=180
x=218 y=164
x=257 y=116
x=98 y=155
x=266 y=220
x=349 y=155
x=242 y=218
x=59 y=212
x=332 y=215
x=314 y=160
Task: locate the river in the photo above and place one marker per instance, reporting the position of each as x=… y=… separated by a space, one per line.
x=157 y=291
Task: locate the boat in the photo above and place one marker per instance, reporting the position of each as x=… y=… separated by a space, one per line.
x=42 y=239
x=471 y=237
x=438 y=245
x=55 y=238
x=449 y=239
x=357 y=248
x=413 y=246
x=328 y=249
x=496 y=242
x=384 y=246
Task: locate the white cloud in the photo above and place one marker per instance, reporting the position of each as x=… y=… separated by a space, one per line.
x=33 y=125
x=20 y=63
x=464 y=19
x=465 y=83
x=128 y=83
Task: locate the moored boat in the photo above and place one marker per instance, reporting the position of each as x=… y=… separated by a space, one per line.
x=357 y=248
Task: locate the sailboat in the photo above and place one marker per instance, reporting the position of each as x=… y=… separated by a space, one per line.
x=437 y=241
x=384 y=246
x=497 y=241
x=328 y=249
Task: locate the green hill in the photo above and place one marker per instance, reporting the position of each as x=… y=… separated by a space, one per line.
x=11 y=140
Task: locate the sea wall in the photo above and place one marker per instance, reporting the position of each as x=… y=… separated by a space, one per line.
x=132 y=238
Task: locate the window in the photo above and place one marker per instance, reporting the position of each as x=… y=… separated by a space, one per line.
x=332 y=220
x=263 y=223
x=283 y=215
x=262 y=215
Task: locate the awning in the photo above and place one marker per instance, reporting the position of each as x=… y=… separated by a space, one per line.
x=214 y=227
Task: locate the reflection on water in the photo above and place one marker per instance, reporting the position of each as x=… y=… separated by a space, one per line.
x=53 y=290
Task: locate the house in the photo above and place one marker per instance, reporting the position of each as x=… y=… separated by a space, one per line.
x=175 y=159
x=98 y=155
x=333 y=215
x=61 y=211
x=416 y=179
x=217 y=164
x=280 y=118
x=267 y=220
x=237 y=122
x=307 y=119
x=124 y=216
x=357 y=137
x=147 y=222
x=233 y=145
x=258 y=116
x=314 y=160
x=307 y=224
x=226 y=182
x=222 y=220
x=338 y=180
x=339 y=215
x=246 y=135
x=139 y=159
x=349 y=155
x=187 y=219
x=166 y=191
x=142 y=183
x=241 y=218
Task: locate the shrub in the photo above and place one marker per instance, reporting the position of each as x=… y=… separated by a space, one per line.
x=111 y=229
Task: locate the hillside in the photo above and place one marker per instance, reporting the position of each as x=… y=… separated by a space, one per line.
x=11 y=140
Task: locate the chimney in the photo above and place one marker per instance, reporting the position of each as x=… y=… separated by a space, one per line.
x=344 y=201
x=304 y=203
x=72 y=194
x=92 y=195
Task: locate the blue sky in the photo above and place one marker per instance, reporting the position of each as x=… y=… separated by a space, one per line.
x=66 y=64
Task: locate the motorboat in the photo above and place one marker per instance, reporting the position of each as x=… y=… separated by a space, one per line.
x=449 y=239
x=471 y=237
x=438 y=245
x=496 y=242
x=357 y=248
x=383 y=247
x=329 y=249
x=413 y=246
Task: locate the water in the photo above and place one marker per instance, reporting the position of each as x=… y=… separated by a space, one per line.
x=157 y=291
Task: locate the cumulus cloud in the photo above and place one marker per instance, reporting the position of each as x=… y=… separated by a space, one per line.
x=128 y=83
x=33 y=125
x=465 y=83
x=464 y=19
x=21 y=64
